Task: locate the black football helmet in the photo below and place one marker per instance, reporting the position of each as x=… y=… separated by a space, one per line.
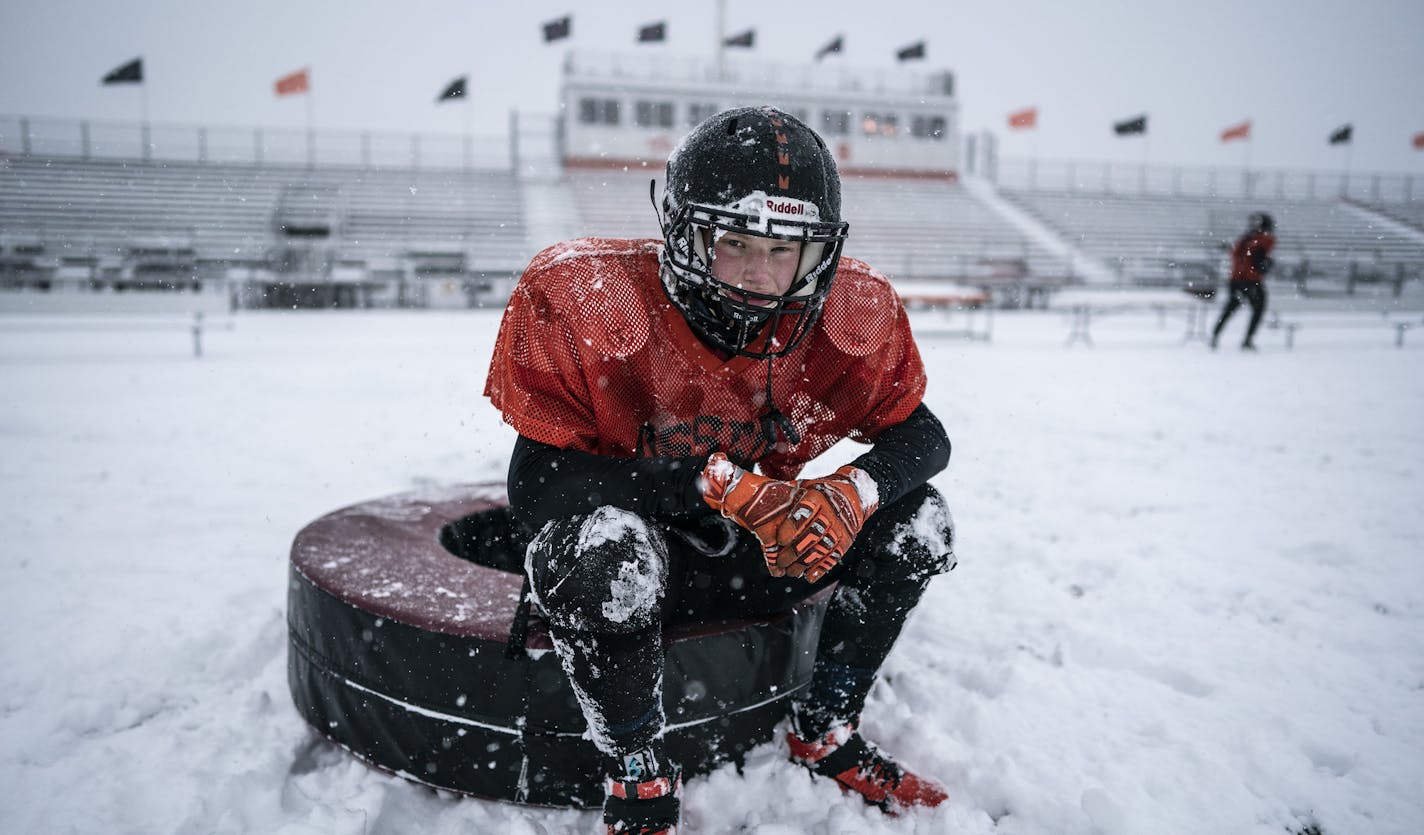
x=754 y=171
x=1260 y=222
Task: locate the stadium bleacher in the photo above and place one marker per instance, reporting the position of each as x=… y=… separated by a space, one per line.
x=354 y=236
x=118 y=221
x=914 y=230
x=927 y=229
x=1410 y=214
x=1170 y=239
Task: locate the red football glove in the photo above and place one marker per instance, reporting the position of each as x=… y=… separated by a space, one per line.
x=755 y=502
x=828 y=514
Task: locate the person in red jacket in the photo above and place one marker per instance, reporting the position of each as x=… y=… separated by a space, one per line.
x=1250 y=261
x=667 y=394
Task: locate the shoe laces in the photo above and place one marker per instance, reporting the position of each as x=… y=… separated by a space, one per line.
x=877 y=768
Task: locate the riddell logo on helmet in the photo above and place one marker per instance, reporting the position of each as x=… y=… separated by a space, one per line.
x=786 y=207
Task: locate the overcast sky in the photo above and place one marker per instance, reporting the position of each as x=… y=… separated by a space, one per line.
x=1298 y=69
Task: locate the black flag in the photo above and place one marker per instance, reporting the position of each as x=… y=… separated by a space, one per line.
x=558 y=29
x=1342 y=135
x=653 y=32
x=912 y=52
x=1131 y=126
x=746 y=39
x=130 y=73
x=834 y=46
x=456 y=90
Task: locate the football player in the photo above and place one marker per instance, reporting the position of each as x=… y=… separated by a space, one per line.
x=1250 y=261
x=667 y=394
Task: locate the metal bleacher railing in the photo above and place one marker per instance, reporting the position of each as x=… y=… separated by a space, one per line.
x=1128 y=178
x=91 y=139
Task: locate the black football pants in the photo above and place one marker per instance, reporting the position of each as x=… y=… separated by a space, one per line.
x=1254 y=292
x=608 y=582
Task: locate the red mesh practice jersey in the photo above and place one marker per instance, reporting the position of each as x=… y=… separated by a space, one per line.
x=593 y=356
x=1244 y=256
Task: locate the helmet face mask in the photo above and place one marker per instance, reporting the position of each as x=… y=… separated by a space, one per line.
x=732 y=315
x=758 y=172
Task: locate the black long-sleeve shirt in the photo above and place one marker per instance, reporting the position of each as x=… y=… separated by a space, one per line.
x=546 y=482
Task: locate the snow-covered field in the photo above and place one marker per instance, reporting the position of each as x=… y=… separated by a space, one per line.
x=1190 y=597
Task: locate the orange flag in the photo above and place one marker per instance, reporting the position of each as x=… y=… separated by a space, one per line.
x=1024 y=119
x=297 y=82
x=1241 y=131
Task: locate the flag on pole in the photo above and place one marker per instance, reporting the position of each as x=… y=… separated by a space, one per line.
x=834 y=46
x=1130 y=127
x=1419 y=141
x=653 y=32
x=1024 y=119
x=746 y=39
x=130 y=73
x=455 y=90
x=556 y=30
x=913 y=52
x=294 y=83
x=1241 y=131
x=1342 y=135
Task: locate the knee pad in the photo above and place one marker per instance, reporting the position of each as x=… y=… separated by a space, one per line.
x=604 y=572
x=912 y=539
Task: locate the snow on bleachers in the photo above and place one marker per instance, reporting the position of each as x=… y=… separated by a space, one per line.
x=935 y=229
x=67 y=217
x=228 y=213
x=103 y=207
x=912 y=229
x=1410 y=214
x=1166 y=239
x=614 y=204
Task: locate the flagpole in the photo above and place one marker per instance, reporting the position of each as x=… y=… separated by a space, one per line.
x=1246 y=172
x=143 y=106
x=469 y=121
x=721 y=35
x=311 y=119
x=1142 y=169
x=1345 y=184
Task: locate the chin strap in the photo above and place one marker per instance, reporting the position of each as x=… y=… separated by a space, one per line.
x=773 y=420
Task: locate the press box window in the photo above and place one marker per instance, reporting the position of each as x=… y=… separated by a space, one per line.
x=882 y=124
x=835 y=122
x=598 y=111
x=699 y=112
x=928 y=127
x=652 y=114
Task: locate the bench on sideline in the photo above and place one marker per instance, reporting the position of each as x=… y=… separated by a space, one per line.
x=1380 y=322
x=1084 y=305
x=947 y=298
x=195 y=324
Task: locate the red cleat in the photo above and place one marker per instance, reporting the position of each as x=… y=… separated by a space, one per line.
x=844 y=755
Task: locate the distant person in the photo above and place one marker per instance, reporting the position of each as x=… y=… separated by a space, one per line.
x=667 y=393
x=1250 y=261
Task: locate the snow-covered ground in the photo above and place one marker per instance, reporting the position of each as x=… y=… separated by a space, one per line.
x=1190 y=597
